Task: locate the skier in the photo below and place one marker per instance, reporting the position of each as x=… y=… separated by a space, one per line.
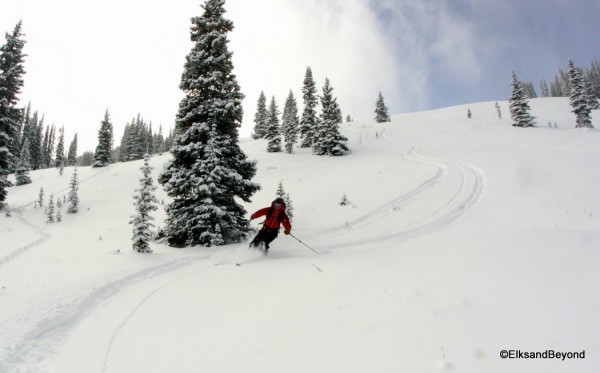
x=275 y=216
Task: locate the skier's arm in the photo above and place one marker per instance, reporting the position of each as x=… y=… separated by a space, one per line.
x=259 y=213
x=286 y=224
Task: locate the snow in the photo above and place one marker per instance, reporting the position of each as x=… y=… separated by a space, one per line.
x=464 y=237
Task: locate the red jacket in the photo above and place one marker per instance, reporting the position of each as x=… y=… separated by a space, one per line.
x=272 y=221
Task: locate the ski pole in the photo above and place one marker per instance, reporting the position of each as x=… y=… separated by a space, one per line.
x=303 y=243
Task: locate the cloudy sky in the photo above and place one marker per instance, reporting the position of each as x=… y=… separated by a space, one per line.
x=127 y=56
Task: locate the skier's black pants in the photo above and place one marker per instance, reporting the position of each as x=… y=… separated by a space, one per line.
x=265 y=235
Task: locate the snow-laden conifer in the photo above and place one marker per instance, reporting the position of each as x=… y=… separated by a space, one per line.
x=519 y=105
x=328 y=140
x=145 y=202
x=579 y=98
x=289 y=208
x=40 y=200
x=11 y=82
x=261 y=117
x=73 y=201
x=280 y=192
x=23 y=165
x=72 y=153
x=50 y=210
x=308 y=122
x=208 y=172
x=381 y=111
x=60 y=149
x=290 y=123
x=273 y=133
x=105 y=142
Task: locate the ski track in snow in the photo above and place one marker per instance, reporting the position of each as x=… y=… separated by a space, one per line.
x=36 y=350
x=38 y=230
x=465 y=197
x=50 y=323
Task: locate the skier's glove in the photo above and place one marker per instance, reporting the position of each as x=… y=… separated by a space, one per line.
x=286 y=232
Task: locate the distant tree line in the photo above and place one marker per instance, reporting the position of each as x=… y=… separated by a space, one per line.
x=321 y=133
x=576 y=81
x=561 y=85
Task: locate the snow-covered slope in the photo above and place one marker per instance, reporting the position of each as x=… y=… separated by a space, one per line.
x=465 y=237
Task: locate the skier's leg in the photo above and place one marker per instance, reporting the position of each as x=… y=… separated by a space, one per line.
x=260 y=237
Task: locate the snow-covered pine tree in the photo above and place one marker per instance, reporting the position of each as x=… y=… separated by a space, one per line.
x=469 y=114
x=273 y=133
x=50 y=210
x=593 y=102
x=498 y=110
x=328 y=140
x=11 y=82
x=544 y=88
x=40 y=200
x=58 y=216
x=519 y=105
x=208 y=170
x=60 y=148
x=290 y=123
x=261 y=117
x=73 y=205
x=105 y=142
x=308 y=122
x=578 y=97
x=381 y=111
x=23 y=165
x=72 y=154
x=289 y=207
x=280 y=191
x=145 y=202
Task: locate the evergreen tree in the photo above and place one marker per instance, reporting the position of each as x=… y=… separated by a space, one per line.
x=41 y=197
x=36 y=142
x=309 y=120
x=102 y=156
x=11 y=82
x=469 y=114
x=261 y=117
x=289 y=208
x=72 y=154
x=529 y=90
x=290 y=123
x=519 y=105
x=149 y=140
x=159 y=141
x=565 y=85
x=85 y=159
x=544 y=88
x=587 y=88
x=280 y=192
x=381 y=111
x=579 y=98
x=328 y=140
x=60 y=148
x=23 y=166
x=498 y=110
x=208 y=170
x=50 y=210
x=145 y=202
x=593 y=75
x=273 y=133
x=73 y=205
x=555 y=90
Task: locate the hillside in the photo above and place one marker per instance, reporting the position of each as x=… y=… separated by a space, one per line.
x=465 y=237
